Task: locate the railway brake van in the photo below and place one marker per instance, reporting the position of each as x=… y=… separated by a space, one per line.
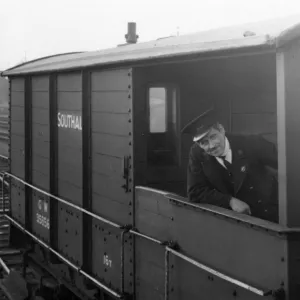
x=98 y=167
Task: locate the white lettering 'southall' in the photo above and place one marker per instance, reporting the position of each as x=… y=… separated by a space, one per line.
x=69 y=121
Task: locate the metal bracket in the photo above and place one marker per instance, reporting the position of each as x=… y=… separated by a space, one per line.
x=171 y=244
x=279 y=294
x=126 y=227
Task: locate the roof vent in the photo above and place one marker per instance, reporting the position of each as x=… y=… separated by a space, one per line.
x=249 y=33
x=131 y=36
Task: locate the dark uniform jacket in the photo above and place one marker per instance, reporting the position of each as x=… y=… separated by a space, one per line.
x=248 y=179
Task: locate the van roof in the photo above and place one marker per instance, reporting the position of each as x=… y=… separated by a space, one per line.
x=269 y=34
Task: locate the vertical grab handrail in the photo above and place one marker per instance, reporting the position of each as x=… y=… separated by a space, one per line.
x=166 y=274
x=122 y=260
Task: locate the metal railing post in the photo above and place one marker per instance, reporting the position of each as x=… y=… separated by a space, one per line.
x=167 y=257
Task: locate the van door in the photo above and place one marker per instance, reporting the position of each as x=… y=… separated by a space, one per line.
x=158 y=159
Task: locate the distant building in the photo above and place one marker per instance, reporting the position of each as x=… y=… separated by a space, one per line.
x=4 y=91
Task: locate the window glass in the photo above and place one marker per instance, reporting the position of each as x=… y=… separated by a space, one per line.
x=157 y=105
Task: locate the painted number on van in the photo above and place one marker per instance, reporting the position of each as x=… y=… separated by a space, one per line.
x=69 y=121
x=42 y=220
x=107 y=261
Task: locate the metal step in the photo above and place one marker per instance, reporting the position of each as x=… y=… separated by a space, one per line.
x=4 y=238
x=14 y=286
x=3 y=220
x=11 y=258
x=3 y=295
x=4 y=244
x=13 y=261
x=9 y=251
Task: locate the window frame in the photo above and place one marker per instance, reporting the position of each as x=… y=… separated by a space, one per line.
x=170 y=88
x=149 y=110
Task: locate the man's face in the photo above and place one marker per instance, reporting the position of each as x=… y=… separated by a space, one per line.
x=214 y=142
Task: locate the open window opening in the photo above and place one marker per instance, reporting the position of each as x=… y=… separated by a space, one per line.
x=163 y=141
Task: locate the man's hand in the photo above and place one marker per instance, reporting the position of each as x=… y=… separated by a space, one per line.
x=239 y=206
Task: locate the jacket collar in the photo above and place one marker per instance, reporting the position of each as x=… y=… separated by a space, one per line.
x=236 y=147
x=239 y=164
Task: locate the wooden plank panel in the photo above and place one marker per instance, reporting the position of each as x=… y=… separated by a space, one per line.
x=17 y=128
x=69 y=137
x=115 y=124
x=41 y=164
x=69 y=155
x=41 y=132
x=154 y=214
x=18 y=201
x=115 y=211
x=254 y=123
x=110 y=247
x=117 y=146
x=17 y=113
x=40 y=83
x=190 y=282
x=145 y=291
x=247 y=249
x=17 y=98
x=176 y=187
x=150 y=266
x=17 y=142
x=70 y=173
x=17 y=163
x=70 y=192
x=107 y=165
x=40 y=100
x=154 y=224
x=111 y=102
x=18 y=84
x=16 y=153
x=154 y=202
x=41 y=148
x=18 y=169
x=40 y=180
x=69 y=82
x=263 y=102
x=40 y=116
x=70 y=233
x=36 y=151
x=110 y=188
x=68 y=101
x=115 y=80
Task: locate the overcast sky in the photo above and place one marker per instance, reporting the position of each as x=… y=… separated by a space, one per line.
x=35 y=28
